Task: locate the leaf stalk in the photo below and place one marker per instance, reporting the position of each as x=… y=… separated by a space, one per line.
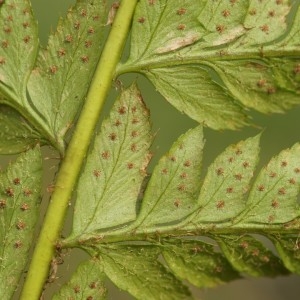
x=76 y=152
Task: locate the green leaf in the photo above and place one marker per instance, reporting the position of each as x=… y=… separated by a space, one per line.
x=248 y=255
x=288 y=248
x=20 y=188
x=273 y=197
x=171 y=192
x=214 y=59
x=199 y=263
x=226 y=182
x=136 y=269
x=109 y=186
x=16 y=135
x=18 y=49
x=60 y=80
x=86 y=283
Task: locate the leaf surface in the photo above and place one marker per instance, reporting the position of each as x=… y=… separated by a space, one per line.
x=65 y=68
x=199 y=263
x=288 y=248
x=111 y=181
x=18 y=49
x=86 y=283
x=16 y=135
x=136 y=269
x=20 y=188
x=248 y=255
x=215 y=59
x=273 y=197
x=171 y=192
x=226 y=183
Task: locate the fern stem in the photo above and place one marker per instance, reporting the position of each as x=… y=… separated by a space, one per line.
x=76 y=152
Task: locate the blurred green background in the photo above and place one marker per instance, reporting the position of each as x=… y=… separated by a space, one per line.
x=279 y=132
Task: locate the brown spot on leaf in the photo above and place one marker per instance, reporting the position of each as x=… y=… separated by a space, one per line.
x=76 y=289
x=177 y=202
x=282 y=191
x=297 y=170
x=4 y=44
x=164 y=171
x=220 y=28
x=181 y=27
x=273 y=174
x=252 y=12
x=117 y=123
x=122 y=110
x=7 y=30
x=61 y=52
x=20 y=225
x=220 y=204
x=226 y=13
x=183 y=175
x=187 y=163
x=130 y=166
x=18 y=244
x=246 y=164
x=25 y=25
x=53 y=69
x=26 y=39
x=271 y=90
x=265 y=28
x=261 y=83
x=91 y=30
x=173 y=158
x=181 y=11
x=9 y=192
x=261 y=188
x=142 y=20
x=2 y=60
x=284 y=163
x=133 y=147
x=271 y=13
x=292 y=181
x=77 y=25
x=229 y=190
x=16 y=181
x=2 y=203
x=83 y=13
x=24 y=206
x=88 y=44
x=27 y=192
x=112 y=136
x=238 y=176
x=105 y=155
x=181 y=187
x=275 y=203
x=134 y=133
x=97 y=173
x=68 y=38
x=84 y=58
x=220 y=171
x=244 y=245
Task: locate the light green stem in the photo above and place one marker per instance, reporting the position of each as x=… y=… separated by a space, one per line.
x=76 y=152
